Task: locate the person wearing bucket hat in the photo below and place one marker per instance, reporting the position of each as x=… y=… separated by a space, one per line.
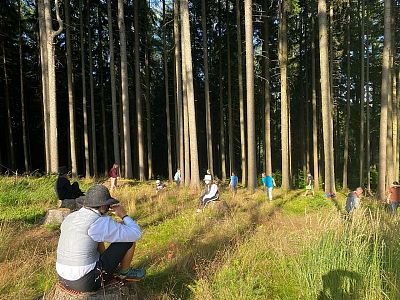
x=83 y=263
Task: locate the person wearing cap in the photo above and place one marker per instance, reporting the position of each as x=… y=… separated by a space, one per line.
x=83 y=263
x=210 y=193
x=64 y=188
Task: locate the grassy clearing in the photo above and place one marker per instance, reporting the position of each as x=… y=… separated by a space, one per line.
x=293 y=247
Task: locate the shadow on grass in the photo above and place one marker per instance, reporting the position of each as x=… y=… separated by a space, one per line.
x=341 y=284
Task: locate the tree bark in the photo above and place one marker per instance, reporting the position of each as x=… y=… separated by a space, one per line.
x=251 y=139
x=125 y=96
x=229 y=78
x=241 y=98
x=282 y=56
x=138 y=96
x=326 y=101
x=117 y=158
x=362 y=97
x=314 y=110
x=384 y=101
x=187 y=62
x=207 y=89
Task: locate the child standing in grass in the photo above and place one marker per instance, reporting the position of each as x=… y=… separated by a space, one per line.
x=234 y=183
x=268 y=183
x=113 y=176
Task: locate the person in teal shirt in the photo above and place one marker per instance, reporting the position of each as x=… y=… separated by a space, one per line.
x=234 y=183
x=268 y=183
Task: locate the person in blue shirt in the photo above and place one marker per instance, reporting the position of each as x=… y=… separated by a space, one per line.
x=268 y=183
x=234 y=183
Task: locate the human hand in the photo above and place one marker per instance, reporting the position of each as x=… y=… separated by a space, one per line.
x=119 y=210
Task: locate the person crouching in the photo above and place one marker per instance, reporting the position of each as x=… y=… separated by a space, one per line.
x=83 y=263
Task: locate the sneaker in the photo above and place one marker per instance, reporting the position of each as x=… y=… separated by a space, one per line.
x=132 y=274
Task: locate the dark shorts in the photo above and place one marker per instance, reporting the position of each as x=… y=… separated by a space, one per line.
x=102 y=272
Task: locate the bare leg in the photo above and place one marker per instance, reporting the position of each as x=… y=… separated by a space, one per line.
x=127 y=259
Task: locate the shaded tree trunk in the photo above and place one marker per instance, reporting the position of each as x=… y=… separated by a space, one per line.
x=148 y=112
x=251 y=139
x=117 y=158
x=362 y=97
x=241 y=98
x=368 y=140
x=230 y=118
x=207 y=89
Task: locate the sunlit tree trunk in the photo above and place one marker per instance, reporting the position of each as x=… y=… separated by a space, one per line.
x=166 y=80
x=45 y=82
x=187 y=62
x=314 y=109
x=251 y=139
x=267 y=95
x=70 y=78
x=178 y=85
x=125 y=98
x=229 y=78
x=241 y=98
x=21 y=80
x=51 y=35
x=117 y=158
x=390 y=116
x=326 y=100
x=282 y=56
x=186 y=137
x=148 y=111
x=207 y=89
x=92 y=105
x=384 y=101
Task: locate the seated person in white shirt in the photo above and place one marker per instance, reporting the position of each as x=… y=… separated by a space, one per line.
x=210 y=194
x=83 y=263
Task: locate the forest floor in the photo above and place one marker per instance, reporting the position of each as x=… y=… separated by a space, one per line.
x=293 y=247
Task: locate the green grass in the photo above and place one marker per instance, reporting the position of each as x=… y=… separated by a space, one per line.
x=293 y=247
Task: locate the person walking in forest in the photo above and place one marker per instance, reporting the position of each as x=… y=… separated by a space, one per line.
x=310 y=184
x=83 y=262
x=233 y=183
x=268 y=183
x=63 y=187
x=113 y=173
x=393 y=197
x=353 y=200
x=177 y=177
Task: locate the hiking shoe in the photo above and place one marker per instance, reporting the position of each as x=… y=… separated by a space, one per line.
x=132 y=274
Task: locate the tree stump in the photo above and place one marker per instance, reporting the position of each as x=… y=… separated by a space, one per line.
x=56 y=216
x=117 y=290
x=220 y=207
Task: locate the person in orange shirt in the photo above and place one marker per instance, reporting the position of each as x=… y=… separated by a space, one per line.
x=393 y=197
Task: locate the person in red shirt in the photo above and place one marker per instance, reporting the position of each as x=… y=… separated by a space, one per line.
x=113 y=176
x=394 y=197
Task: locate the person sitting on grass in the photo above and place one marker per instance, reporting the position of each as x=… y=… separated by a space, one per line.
x=64 y=188
x=83 y=263
x=159 y=186
x=353 y=200
x=210 y=193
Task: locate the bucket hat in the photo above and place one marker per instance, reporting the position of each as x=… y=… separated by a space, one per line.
x=96 y=196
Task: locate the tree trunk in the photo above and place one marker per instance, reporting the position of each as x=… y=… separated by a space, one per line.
x=185 y=117
x=221 y=120
x=384 y=102
x=207 y=89
x=326 y=101
x=166 y=80
x=347 y=125
x=241 y=99
x=314 y=110
x=21 y=80
x=362 y=97
x=251 y=139
x=267 y=95
x=84 y=100
x=390 y=141
x=148 y=111
x=71 y=106
x=92 y=106
x=187 y=62
x=9 y=123
x=117 y=158
x=282 y=56
x=368 y=141
x=125 y=98
x=178 y=82
x=229 y=77
x=138 y=96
